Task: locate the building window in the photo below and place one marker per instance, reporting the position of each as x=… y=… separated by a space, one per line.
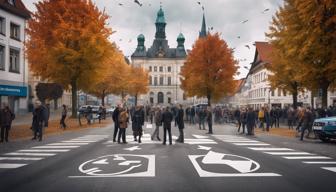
x=169 y=81
x=161 y=69
x=15 y=31
x=155 y=68
x=155 y=81
x=160 y=97
x=272 y=93
x=14 y=60
x=150 y=68
x=2 y=26
x=169 y=69
x=279 y=92
x=284 y=93
x=161 y=80
x=2 y=57
x=150 y=80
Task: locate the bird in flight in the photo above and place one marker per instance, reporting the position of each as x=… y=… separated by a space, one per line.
x=238 y=37
x=199 y=2
x=247 y=46
x=264 y=11
x=137 y=2
x=245 y=67
x=245 y=21
x=120 y=4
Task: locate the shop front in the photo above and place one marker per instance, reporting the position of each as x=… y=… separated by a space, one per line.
x=15 y=97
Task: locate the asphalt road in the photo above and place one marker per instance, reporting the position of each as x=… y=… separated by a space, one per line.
x=226 y=161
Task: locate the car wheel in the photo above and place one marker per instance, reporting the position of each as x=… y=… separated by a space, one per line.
x=324 y=139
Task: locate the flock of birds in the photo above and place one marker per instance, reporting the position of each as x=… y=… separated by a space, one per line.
x=210 y=28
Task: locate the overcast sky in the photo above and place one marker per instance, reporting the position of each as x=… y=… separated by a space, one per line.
x=225 y=16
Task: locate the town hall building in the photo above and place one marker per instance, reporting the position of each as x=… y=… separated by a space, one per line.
x=163 y=64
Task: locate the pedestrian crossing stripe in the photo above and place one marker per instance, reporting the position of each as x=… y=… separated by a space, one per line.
x=10 y=165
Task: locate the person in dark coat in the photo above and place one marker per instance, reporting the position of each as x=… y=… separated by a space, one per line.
x=115 y=117
x=243 y=120
x=250 y=121
x=180 y=124
x=192 y=115
x=167 y=118
x=202 y=118
x=209 y=119
x=6 y=118
x=64 y=114
x=40 y=120
x=158 y=123
x=138 y=120
x=307 y=122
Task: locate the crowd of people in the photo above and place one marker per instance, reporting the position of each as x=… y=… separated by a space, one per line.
x=264 y=118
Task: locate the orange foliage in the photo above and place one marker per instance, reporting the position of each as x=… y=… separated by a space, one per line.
x=209 y=69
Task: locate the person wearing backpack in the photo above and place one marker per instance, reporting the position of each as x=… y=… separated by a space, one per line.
x=6 y=118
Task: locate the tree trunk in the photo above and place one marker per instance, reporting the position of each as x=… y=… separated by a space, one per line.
x=136 y=100
x=209 y=100
x=295 y=95
x=55 y=104
x=74 y=98
x=103 y=98
x=324 y=88
x=312 y=95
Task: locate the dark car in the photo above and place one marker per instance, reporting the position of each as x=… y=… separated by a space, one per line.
x=325 y=128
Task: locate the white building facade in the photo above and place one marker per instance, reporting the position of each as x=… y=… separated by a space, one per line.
x=13 y=65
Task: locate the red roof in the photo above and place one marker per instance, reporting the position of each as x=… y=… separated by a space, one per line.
x=264 y=50
x=18 y=8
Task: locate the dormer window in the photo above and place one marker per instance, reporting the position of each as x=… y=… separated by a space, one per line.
x=12 y=2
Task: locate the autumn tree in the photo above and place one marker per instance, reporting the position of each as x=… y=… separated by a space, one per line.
x=138 y=82
x=112 y=78
x=68 y=43
x=305 y=31
x=49 y=91
x=209 y=69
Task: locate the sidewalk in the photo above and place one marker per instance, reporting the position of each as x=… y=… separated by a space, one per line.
x=22 y=124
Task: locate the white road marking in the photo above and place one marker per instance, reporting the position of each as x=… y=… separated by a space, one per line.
x=56 y=147
x=204 y=148
x=200 y=136
x=133 y=148
x=68 y=144
x=22 y=158
x=270 y=149
x=289 y=153
x=251 y=144
x=32 y=154
x=333 y=169
x=200 y=142
x=306 y=157
x=241 y=141
x=80 y=141
x=10 y=165
x=44 y=150
x=320 y=162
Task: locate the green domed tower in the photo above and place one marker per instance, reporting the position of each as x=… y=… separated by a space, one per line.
x=160 y=25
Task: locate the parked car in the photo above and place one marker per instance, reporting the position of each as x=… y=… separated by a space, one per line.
x=325 y=128
x=110 y=110
x=95 y=109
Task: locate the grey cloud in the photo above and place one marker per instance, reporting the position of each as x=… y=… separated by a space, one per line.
x=225 y=16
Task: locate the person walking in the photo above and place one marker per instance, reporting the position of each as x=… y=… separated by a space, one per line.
x=6 y=118
x=138 y=120
x=261 y=118
x=242 y=120
x=40 y=120
x=307 y=122
x=158 y=123
x=290 y=118
x=167 y=118
x=123 y=124
x=192 y=115
x=237 y=117
x=180 y=124
x=201 y=118
x=115 y=118
x=209 y=120
x=267 y=119
x=64 y=114
x=250 y=121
